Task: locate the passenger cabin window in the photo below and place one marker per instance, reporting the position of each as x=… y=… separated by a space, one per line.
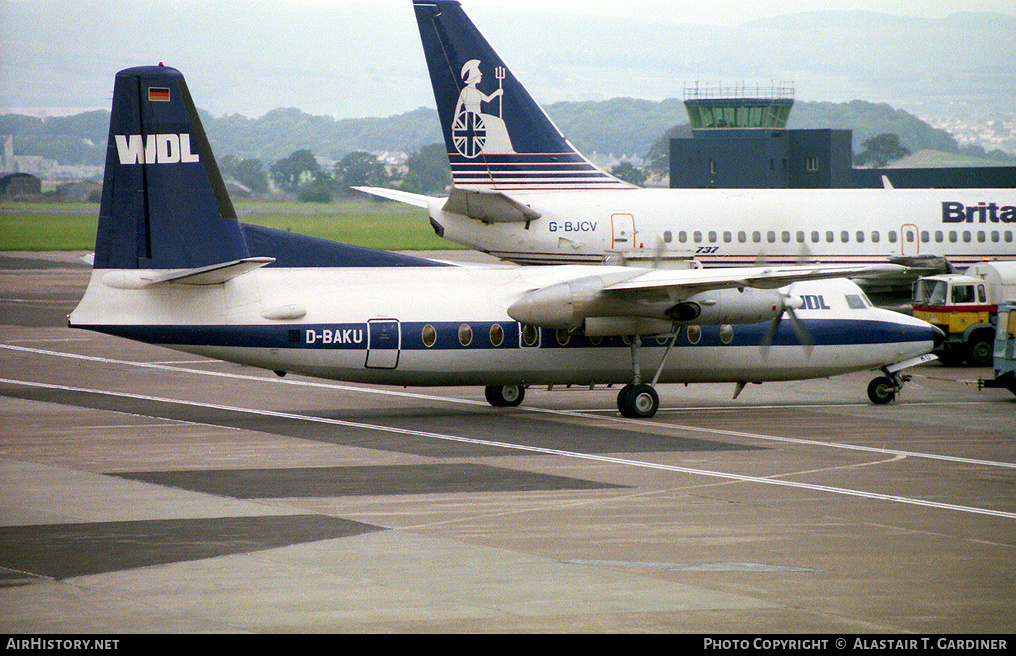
x=667 y=236
x=892 y=236
x=875 y=236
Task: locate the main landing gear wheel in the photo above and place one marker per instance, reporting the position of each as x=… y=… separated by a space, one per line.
x=882 y=390
x=638 y=401
x=504 y=396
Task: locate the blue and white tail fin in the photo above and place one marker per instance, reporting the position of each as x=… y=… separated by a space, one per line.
x=164 y=205
x=498 y=137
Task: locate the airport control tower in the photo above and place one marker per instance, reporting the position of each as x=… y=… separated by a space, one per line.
x=740 y=140
x=739 y=107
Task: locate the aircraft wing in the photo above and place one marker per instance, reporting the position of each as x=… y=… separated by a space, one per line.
x=419 y=200
x=697 y=280
x=483 y=205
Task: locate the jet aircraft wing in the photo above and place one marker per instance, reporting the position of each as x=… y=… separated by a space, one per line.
x=418 y=200
x=484 y=205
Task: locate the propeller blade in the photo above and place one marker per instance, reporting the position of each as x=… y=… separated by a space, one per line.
x=767 y=339
x=801 y=331
x=661 y=249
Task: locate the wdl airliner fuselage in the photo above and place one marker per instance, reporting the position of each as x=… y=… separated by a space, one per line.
x=174 y=267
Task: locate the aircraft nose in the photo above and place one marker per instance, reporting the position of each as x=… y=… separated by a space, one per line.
x=937 y=336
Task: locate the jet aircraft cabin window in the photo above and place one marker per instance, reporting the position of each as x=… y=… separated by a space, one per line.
x=892 y=236
x=697 y=236
x=845 y=237
x=860 y=236
x=682 y=236
x=875 y=237
x=742 y=237
x=925 y=237
x=800 y=236
x=786 y=236
x=727 y=237
x=712 y=236
x=939 y=236
x=667 y=237
x=829 y=236
x=815 y=237
x=756 y=237
x=771 y=237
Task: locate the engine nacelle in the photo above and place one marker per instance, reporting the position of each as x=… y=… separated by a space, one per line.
x=567 y=304
x=730 y=306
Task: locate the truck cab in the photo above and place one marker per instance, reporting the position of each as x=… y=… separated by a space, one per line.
x=961 y=306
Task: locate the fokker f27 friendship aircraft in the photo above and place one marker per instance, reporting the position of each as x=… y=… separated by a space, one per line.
x=174 y=267
x=523 y=193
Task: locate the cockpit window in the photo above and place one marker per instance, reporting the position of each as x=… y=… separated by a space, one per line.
x=855 y=302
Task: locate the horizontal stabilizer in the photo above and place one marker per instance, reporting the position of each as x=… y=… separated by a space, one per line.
x=211 y=275
x=489 y=206
x=418 y=200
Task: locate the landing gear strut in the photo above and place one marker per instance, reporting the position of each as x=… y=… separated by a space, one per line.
x=638 y=400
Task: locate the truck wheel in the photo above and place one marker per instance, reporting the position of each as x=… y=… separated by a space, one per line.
x=980 y=352
x=882 y=390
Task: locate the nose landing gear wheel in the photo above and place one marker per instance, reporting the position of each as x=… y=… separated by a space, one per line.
x=882 y=390
x=504 y=396
x=638 y=401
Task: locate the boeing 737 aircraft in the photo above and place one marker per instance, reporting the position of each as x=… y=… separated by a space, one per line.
x=174 y=267
x=523 y=193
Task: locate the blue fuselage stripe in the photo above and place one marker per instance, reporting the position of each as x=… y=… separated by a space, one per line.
x=355 y=336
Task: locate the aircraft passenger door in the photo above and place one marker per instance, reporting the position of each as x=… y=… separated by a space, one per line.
x=383 y=344
x=623 y=226
x=910 y=241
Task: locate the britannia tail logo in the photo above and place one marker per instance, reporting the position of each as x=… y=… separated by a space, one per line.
x=474 y=131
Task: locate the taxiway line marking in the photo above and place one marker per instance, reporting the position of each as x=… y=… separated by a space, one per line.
x=566 y=413
x=533 y=449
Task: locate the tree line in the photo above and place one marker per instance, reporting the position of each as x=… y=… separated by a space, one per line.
x=278 y=151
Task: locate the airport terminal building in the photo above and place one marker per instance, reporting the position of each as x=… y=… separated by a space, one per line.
x=740 y=140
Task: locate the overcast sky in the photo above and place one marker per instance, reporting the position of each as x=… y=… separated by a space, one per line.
x=355 y=58
x=735 y=12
